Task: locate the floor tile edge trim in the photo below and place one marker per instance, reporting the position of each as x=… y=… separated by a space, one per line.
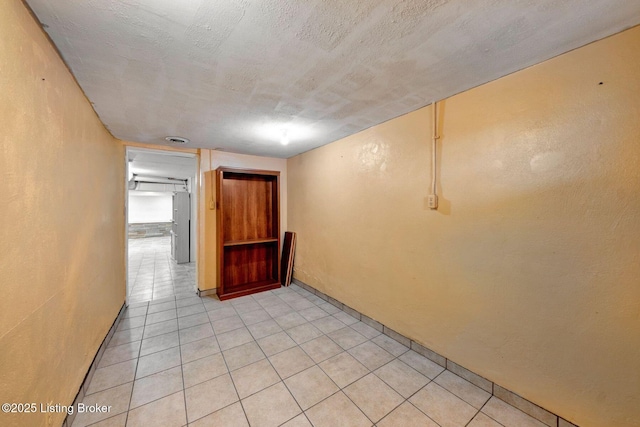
x=207 y=292
x=68 y=420
x=530 y=408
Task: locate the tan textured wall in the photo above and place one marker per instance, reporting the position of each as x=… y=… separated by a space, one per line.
x=211 y=160
x=529 y=272
x=62 y=232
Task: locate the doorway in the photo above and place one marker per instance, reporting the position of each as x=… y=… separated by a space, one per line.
x=161 y=223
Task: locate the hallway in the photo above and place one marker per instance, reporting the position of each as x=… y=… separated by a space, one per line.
x=278 y=358
x=154 y=275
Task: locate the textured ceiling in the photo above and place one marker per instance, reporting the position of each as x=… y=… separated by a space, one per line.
x=233 y=74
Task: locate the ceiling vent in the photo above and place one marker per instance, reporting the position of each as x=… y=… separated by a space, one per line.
x=177 y=140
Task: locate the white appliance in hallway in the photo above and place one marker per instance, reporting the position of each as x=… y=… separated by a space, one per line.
x=180 y=227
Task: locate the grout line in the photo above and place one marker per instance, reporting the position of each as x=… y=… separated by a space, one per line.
x=337 y=303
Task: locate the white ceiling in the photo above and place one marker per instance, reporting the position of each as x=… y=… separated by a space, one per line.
x=231 y=74
x=161 y=164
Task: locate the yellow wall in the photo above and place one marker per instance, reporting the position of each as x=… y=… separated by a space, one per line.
x=529 y=273
x=211 y=160
x=62 y=234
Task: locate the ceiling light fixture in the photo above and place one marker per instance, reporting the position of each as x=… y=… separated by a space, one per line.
x=283 y=132
x=284 y=140
x=177 y=140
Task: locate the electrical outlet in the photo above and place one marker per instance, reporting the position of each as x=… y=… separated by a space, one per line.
x=212 y=205
x=432 y=201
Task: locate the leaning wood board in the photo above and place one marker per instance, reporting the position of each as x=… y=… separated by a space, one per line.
x=288 y=252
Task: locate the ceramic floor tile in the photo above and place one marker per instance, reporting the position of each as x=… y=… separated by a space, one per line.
x=191 y=310
x=126 y=336
x=159 y=343
x=254 y=316
x=254 y=378
x=337 y=410
x=481 y=420
x=347 y=338
x=227 y=324
x=290 y=320
x=462 y=388
x=329 y=308
x=231 y=416
x=199 y=349
x=248 y=307
x=243 y=355
x=269 y=300
x=193 y=320
x=344 y=369
x=317 y=301
x=121 y=353
x=406 y=415
x=290 y=362
x=313 y=313
x=328 y=324
x=156 y=386
x=161 y=316
x=195 y=333
x=303 y=333
x=276 y=343
x=135 y=312
x=157 y=362
x=169 y=305
x=365 y=330
x=211 y=303
x=321 y=348
x=310 y=387
x=421 y=364
x=203 y=369
x=442 y=406
x=116 y=397
x=113 y=375
x=160 y=328
x=167 y=412
x=345 y=318
x=270 y=407
x=184 y=329
x=161 y=301
x=371 y=355
x=210 y=396
x=279 y=310
x=301 y=304
x=221 y=313
x=130 y=323
x=391 y=345
x=402 y=378
x=117 y=421
x=264 y=329
x=234 y=338
x=299 y=421
x=187 y=301
x=375 y=398
x=507 y=415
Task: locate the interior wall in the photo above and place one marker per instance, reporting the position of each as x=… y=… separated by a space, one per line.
x=144 y=208
x=528 y=272
x=62 y=234
x=209 y=161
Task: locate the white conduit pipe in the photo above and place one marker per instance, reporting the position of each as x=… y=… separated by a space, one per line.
x=434 y=160
x=433 y=197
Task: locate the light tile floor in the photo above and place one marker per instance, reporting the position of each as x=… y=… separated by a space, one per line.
x=154 y=275
x=278 y=358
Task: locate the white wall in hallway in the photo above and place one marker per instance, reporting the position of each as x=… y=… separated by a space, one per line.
x=149 y=207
